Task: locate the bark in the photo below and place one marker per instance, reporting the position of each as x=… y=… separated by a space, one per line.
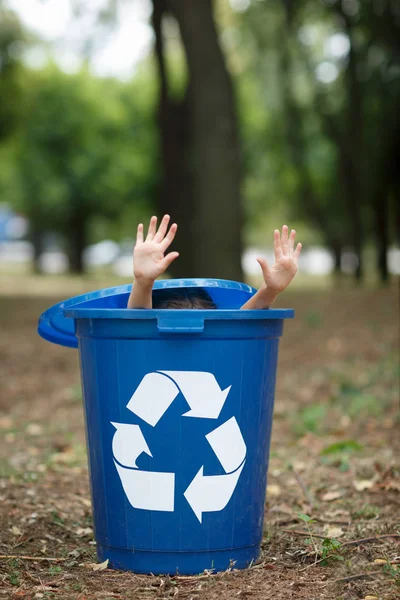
x=385 y=185
x=351 y=156
x=382 y=233
x=337 y=255
x=36 y=236
x=77 y=241
x=175 y=194
x=213 y=156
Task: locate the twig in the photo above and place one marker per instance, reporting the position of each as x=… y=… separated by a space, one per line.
x=371 y=539
x=21 y=557
x=355 y=577
x=317 y=561
x=304 y=489
x=333 y=521
x=306 y=533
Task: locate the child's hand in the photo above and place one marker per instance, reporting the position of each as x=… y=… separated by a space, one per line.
x=149 y=261
x=278 y=277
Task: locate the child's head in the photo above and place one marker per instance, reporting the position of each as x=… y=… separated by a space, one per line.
x=195 y=298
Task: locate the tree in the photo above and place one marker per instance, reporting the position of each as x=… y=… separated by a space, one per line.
x=346 y=115
x=79 y=157
x=200 y=145
x=12 y=37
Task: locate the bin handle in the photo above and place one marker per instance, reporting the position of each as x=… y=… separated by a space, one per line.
x=174 y=324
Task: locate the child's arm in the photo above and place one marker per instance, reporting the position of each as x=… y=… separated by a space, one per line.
x=277 y=277
x=149 y=261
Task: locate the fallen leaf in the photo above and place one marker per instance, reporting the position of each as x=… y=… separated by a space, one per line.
x=282 y=508
x=34 y=429
x=83 y=531
x=363 y=484
x=333 y=532
x=371 y=598
x=273 y=490
x=392 y=485
x=332 y=514
x=16 y=530
x=6 y=423
x=86 y=502
x=101 y=566
x=330 y=496
x=380 y=561
x=299 y=466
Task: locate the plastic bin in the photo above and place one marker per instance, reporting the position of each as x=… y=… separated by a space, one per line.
x=178 y=409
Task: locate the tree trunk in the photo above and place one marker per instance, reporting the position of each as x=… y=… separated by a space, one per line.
x=77 y=241
x=36 y=236
x=213 y=156
x=354 y=156
x=382 y=234
x=337 y=256
x=175 y=195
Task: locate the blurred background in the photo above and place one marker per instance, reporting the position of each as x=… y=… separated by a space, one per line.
x=234 y=116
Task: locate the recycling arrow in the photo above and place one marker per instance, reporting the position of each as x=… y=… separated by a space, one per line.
x=151 y=490
x=127 y=453
x=212 y=493
x=201 y=391
x=148 y=490
x=158 y=390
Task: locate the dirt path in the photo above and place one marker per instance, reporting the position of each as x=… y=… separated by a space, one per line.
x=333 y=456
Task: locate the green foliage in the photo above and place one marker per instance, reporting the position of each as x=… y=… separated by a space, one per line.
x=367 y=511
x=12 y=37
x=313 y=319
x=311 y=418
x=393 y=571
x=305 y=518
x=331 y=550
x=78 y=152
x=14 y=578
x=346 y=446
x=55 y=570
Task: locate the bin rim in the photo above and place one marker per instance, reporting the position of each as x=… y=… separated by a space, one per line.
x=56 y=325
x=142 y=314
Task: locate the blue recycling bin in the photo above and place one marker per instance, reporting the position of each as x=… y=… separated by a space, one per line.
x=178 y=409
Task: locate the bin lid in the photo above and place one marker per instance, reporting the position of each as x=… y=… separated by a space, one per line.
x=55 y=327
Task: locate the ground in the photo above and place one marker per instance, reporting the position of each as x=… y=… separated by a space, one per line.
x=333 y=458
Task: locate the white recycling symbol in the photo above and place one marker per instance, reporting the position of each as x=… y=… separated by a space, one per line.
x=150 y=490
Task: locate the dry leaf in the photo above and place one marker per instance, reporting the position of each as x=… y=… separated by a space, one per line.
x=101 y=566
x=6 y=423
x=82 y=531
x=380 y=561
x=15 y=530
x=273 y=490
x=282 y=508
x=330 y=496
x=363 y=484
x=299 y=466
x=392 y=485
x=340 y=512
x=86 y=502
x=333 y=532
x=34 y=429
x=371 y=598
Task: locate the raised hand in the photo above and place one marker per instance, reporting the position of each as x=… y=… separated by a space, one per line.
x=149 y=259
x=278 y=277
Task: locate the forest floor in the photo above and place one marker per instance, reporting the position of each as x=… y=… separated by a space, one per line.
x=333 y=458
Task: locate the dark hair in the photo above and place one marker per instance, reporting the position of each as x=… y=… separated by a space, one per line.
x=195 y=298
